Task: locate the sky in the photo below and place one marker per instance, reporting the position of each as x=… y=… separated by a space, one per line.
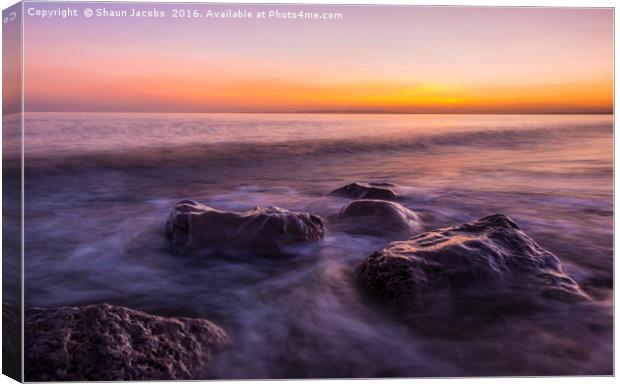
x=374 y=59
x=11 y=61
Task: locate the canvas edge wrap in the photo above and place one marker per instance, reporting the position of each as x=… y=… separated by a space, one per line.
x=12 y=175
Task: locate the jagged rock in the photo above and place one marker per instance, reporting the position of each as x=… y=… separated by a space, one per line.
x=105 y=342
x=377 y=217
x=378 y=191
x=491 y=260
x=193 y=226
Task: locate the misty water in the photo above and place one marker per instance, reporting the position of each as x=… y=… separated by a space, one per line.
x=99 y=188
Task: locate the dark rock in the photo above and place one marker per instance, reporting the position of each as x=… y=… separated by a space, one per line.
x=378 y=191
x=489 y=261
x=105 y=342
x=11 y=340
x=378 y=217
x=193 y=226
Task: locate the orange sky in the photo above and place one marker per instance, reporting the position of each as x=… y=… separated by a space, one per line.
x=389 y=59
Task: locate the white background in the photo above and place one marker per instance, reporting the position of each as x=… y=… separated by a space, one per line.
x=574 y=3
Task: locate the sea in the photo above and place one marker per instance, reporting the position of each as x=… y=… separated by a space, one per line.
x=98 y=189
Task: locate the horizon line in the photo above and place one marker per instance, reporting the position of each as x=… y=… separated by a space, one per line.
x=335 y=112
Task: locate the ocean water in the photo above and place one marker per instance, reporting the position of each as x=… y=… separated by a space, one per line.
x=99 y=188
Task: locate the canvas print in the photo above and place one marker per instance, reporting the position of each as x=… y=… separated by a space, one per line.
x=241 y=191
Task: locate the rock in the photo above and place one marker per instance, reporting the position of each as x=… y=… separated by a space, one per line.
x=378 y=217
x=105 y=342
x=194 y=226
x=483 y=262
x=378 y=191
x=11 y=340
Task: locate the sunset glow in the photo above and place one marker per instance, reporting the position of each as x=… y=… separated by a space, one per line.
x=399 y=59
x=199 y=191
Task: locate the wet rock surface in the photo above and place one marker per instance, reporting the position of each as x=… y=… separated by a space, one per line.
x=105 y=342
x=378 y=217
x=379 y=191
x=486 y=263
x=194 y=226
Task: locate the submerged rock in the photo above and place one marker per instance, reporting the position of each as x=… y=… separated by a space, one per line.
x=378 y=191
x=105 y=342
x=192 y=225
x=490 y=260
x=378 y=217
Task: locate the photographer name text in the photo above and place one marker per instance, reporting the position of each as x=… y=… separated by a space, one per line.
x=186 y=13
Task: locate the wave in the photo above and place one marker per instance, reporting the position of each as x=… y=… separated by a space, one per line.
x=246 y=152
